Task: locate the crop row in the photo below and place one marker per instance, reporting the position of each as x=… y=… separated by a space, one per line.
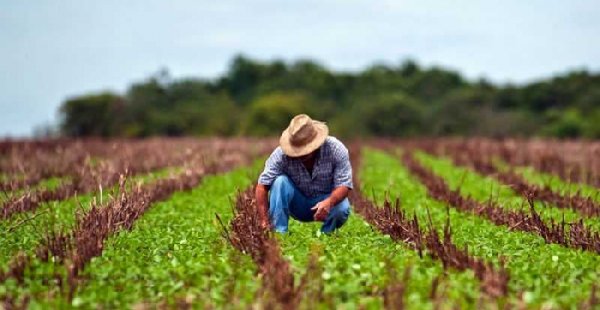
x=123 y=159
x=472 y=154
x=393 y=221
x=578 y=236
x=23 y=232
x=279 y=289
x=174 y=254
x=574 y=161
x=505 y=195
x=25 y=164
x=365 y=268
x=541 y=274
x=178 y=255
x=8 y=145
x=70 y=250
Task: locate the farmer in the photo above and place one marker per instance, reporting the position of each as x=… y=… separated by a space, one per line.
x=308 y=177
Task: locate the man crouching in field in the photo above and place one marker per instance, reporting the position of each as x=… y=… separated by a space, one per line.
x=308 y=176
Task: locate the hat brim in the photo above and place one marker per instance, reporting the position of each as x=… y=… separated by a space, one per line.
x=297 y=151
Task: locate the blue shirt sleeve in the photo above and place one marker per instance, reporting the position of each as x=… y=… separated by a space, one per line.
x=273 y=168
x=342 y=173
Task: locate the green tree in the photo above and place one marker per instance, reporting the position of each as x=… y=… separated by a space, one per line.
x=564 y=124
x=391 y=114
x=458 y=112
x=270 y=114
x=147 y=103
x=207 y=115
x=91 y=115
x=259 y=97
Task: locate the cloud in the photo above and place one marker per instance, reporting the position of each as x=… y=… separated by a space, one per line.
x=52 y=50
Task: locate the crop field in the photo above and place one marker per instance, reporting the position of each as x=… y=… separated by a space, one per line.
x=172 y=223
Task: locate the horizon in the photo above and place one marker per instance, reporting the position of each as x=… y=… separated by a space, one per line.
x=56 y=51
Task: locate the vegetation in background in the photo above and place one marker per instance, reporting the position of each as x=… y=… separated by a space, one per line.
x=259 y=98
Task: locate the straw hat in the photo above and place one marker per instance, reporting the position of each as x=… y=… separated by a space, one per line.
x=303 y=136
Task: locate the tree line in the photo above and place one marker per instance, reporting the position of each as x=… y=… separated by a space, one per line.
x=405 y=100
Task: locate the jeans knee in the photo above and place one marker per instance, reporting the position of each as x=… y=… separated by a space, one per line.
x=342 y=210
x=282 y=186
x=281 y=181
x=337 y=217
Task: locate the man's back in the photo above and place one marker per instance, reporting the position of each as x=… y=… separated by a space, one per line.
x=331 y=169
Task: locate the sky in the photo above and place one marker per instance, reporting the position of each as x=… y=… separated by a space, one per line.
x=53 y=50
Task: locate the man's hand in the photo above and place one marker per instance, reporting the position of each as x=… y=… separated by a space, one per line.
x=322 y=210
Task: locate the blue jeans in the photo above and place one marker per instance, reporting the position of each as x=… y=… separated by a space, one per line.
x=286 y=200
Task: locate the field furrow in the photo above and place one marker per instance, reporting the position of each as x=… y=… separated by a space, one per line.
x=25 y=232
x=543 y=274
x=67 y=251
x=87 y=163
x=26 y=164
x=88 y=179
x=572 y=161
x=359 y=265
x=67 y=254
x=279 y=289
x=393 y=221
x=173 y=223
x=517 y=212
x=575 y=235
x=360 y=268
x=462 y=155
x=558 y=185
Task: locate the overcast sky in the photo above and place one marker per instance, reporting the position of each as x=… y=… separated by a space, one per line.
x=50 y=50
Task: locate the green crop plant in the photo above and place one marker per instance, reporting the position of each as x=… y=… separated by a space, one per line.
x=543 y=274
x=557 y=184
x=483 y=188
x=23 y=232
x=356 y=262
x=175 y=250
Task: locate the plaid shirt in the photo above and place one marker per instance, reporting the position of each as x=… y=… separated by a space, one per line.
x=332 y=169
